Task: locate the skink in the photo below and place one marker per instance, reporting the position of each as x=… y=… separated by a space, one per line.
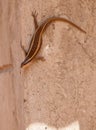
x=36 y=40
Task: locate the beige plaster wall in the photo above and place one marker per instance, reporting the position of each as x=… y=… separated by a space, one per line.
x=11 y=90
x=60 y=92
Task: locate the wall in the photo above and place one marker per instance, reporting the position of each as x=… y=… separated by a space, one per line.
x=60 y=92
x=11 y=90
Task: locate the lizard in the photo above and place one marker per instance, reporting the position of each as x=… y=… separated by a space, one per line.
x=36 y=41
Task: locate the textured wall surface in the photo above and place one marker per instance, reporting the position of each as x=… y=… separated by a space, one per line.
x=11 y=92
x=60 y=92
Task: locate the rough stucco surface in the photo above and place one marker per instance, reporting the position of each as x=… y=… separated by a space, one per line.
x=11 y=92
x=62 y=89
x=60 y=92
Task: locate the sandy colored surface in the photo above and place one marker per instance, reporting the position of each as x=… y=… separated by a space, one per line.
x=60 y=92
x=11 y=92
x=62 y=89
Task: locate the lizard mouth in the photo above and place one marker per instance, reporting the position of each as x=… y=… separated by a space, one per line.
x=22 y=64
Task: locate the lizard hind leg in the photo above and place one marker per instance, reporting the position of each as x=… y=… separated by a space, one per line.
x=35 y=14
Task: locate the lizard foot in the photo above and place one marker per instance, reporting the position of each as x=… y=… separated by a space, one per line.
x=34 y=13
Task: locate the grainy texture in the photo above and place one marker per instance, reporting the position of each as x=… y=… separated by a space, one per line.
x=62 y=89
x=11 y=90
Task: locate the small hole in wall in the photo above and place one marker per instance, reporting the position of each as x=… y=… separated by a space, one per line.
x=46 y=128
x=25 y=100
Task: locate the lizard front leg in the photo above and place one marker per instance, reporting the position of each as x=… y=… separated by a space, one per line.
x=35 y=14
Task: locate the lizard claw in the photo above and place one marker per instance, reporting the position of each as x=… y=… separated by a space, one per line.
x=34 y=13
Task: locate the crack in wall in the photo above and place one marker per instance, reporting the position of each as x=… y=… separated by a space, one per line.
x=85 y=51
x=5 y=68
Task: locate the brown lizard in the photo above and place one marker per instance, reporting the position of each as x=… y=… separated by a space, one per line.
x=36 y=40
